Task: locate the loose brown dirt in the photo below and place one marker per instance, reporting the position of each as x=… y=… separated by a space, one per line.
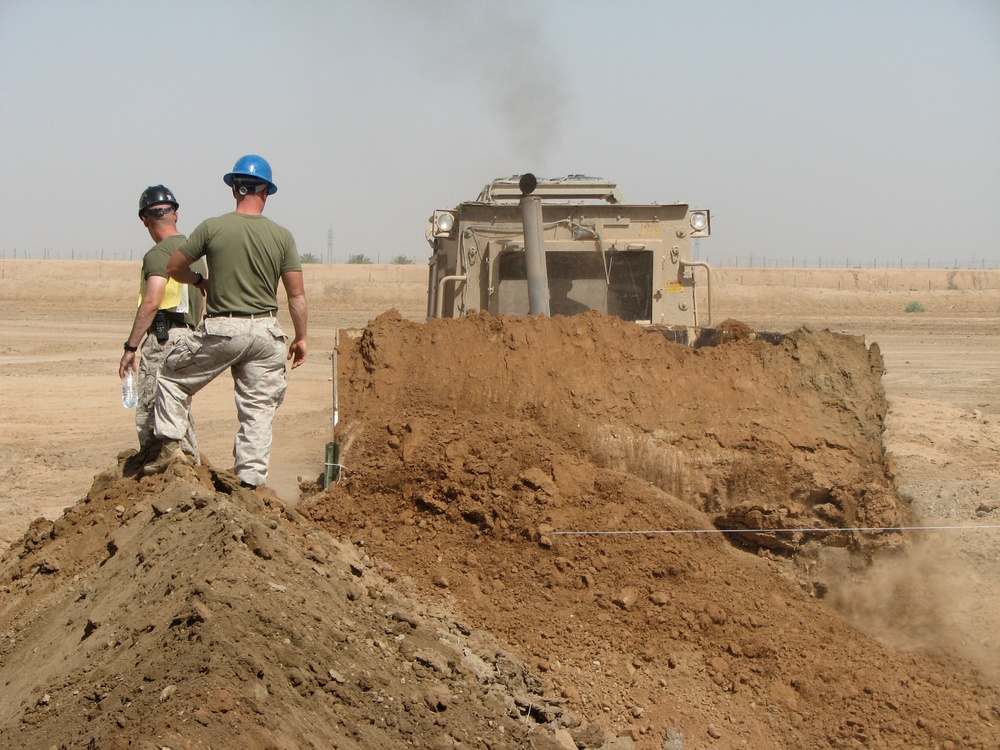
x=442 y=594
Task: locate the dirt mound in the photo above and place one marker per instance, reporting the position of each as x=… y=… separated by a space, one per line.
x=763 y=436
x=471 y=447
x=185 y=612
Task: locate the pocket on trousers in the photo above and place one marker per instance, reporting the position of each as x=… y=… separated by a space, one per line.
x=182 y=352
x=220 y=327
x=275 y=330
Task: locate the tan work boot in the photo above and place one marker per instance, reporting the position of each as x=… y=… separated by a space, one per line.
x=170 y=452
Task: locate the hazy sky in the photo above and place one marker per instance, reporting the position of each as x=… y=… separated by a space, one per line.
x=825 y=131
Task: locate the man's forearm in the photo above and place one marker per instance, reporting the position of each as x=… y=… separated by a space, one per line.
x=299 y=312
x=151 y=299
x=143 y=320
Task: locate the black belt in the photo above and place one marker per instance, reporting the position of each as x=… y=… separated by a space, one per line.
x=268 y=314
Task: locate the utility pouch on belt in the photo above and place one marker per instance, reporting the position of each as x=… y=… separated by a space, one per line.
x=161 y=326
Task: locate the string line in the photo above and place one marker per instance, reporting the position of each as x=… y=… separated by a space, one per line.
x=774 y=531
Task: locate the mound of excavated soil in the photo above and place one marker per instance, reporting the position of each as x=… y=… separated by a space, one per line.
x=471 y=446
x=762 y=436
x=436 y=597
x=185 y=612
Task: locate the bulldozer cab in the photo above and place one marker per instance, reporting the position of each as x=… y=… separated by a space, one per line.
x=598 y=252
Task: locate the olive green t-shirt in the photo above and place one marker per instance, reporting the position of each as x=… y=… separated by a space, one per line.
x=246 y=256
x=180 y=299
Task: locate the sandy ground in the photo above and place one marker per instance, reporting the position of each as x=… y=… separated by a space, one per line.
x=62 y=323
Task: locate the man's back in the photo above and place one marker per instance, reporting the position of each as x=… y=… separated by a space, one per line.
x=246 y=256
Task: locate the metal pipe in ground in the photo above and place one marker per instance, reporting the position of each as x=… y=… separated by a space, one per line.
x=331 y=465
x=534 y=249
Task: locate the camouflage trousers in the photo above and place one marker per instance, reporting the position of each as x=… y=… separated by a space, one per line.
x=153 y=354
x=253 y=350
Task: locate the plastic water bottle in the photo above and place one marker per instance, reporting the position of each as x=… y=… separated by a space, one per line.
x=129 y=395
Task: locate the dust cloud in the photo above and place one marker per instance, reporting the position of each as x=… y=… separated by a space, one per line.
x=918 y=599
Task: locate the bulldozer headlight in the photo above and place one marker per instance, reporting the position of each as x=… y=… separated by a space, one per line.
x=443 y=222
x=701 y=225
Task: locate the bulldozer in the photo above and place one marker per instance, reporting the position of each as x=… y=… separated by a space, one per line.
x=529 y=246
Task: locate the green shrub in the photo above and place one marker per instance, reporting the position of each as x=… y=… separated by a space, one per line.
x=915 y=307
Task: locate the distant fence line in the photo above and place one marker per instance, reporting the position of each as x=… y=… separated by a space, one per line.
x=751 y=261
x=73 y=255
x=722 y=261
x=105 y=255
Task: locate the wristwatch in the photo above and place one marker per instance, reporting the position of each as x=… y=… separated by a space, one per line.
x=130 y=348
x=200 y=281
